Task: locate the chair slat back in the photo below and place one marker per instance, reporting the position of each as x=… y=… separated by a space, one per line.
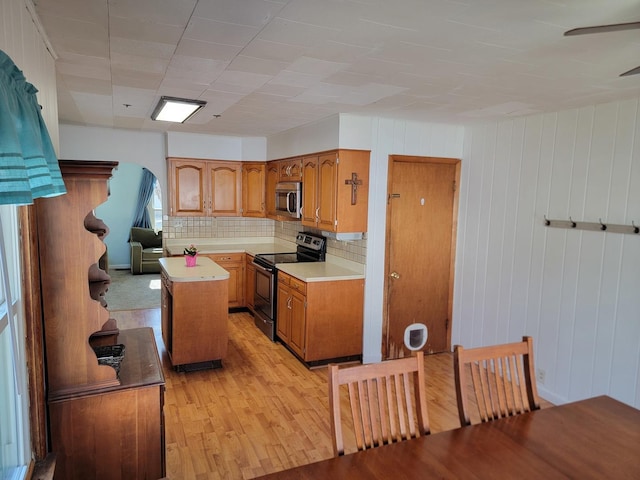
x=387 y=401
x=502 y=379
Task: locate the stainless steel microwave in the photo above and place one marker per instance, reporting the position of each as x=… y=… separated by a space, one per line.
x=289 y=199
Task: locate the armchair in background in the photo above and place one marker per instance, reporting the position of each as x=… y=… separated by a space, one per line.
x=146 y=249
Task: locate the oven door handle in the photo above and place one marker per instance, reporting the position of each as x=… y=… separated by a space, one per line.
x=262 y=268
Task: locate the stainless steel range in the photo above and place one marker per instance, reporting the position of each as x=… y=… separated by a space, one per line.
x=309 y=248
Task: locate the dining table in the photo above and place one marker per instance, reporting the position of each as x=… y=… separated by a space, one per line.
x=596 y=438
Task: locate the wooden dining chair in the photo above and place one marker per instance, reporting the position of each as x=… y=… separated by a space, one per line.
x=502 y=378
x=387 y=402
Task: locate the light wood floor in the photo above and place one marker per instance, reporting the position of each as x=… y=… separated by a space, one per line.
x=264 y=411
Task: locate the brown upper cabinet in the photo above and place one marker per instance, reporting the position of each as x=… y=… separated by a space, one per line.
x=335 y=191
x=290 y=170
x=253 y=190
x=226 y=188
x=271 y=179
x=199 y=188
x=187 y=194
x=335 y=188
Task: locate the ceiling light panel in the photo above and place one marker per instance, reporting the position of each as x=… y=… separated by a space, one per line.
x=178 y=110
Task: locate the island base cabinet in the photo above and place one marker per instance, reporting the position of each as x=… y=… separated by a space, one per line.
x=195 y=320
x=110 y=436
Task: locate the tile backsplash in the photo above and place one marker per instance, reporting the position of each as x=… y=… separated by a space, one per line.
x=232 y=227
x=218 y=227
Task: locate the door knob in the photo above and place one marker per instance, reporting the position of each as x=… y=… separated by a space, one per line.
x=394 y=275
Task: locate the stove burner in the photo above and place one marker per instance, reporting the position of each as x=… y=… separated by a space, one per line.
x=310 y=249
x=274 y=258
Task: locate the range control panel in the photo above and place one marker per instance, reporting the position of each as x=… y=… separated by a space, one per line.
x=310 y=241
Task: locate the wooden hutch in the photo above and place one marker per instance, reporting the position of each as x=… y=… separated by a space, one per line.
x=105 y=386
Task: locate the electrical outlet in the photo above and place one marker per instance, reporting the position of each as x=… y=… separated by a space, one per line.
x=540 y=375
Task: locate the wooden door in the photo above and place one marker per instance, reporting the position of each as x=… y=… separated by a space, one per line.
x=271 y=179
x=327 y=189
x=226 y=185
x=295 y=170
x=283 y=324
x=253 y=190
x=309 y=190
x=298 y=319
x=234 y=264
x=291 y=170
x=283 y=171
x=188 y=188
x=236 y=284
x=420 y=251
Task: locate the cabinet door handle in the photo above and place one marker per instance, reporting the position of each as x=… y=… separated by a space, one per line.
x=317 y=214
x=289 y=303
x=289 y=202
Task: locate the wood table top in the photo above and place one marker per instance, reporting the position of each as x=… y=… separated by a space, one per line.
x=590 y=439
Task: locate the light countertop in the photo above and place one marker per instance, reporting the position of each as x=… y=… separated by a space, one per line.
x=206 y=270
x=251 y=245
x=320 y=271
x=335 y=268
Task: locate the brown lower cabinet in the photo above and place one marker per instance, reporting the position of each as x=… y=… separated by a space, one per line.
x=320 y=321
x=233 y=263
x=117 y=433
x=105 y=417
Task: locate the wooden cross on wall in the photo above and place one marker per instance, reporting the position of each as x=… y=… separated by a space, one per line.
x=354 y=181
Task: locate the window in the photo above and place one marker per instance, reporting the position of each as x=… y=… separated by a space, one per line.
x=14 y=413
x=155 y=207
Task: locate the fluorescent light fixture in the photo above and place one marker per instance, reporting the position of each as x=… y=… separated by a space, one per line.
x=171 y=109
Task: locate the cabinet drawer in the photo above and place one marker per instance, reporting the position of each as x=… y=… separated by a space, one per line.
x=227 y=257
x=298 y=285
x=284 y=278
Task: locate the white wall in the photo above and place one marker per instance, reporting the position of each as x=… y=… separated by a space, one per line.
x=22 y=41
x=575 y=292
x=218 y=147
x=150 y=149
x=314 y=137
x=116 y=145
x=118 y=212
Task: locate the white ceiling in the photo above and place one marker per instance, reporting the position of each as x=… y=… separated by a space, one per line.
x=267 y=66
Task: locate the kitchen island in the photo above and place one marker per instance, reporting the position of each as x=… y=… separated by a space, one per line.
x=194 y=312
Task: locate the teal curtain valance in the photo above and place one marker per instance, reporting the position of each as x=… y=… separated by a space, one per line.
x=28 y=165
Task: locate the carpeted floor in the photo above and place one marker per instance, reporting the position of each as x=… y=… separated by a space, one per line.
x=131 y=292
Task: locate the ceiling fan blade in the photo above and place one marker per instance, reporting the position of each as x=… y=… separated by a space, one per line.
x=633 y=71
x=602 y=28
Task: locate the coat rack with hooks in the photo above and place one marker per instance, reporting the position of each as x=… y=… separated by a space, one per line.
x=599 y=226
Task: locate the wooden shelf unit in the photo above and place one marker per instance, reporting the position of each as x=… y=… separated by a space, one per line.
x=99 y=420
